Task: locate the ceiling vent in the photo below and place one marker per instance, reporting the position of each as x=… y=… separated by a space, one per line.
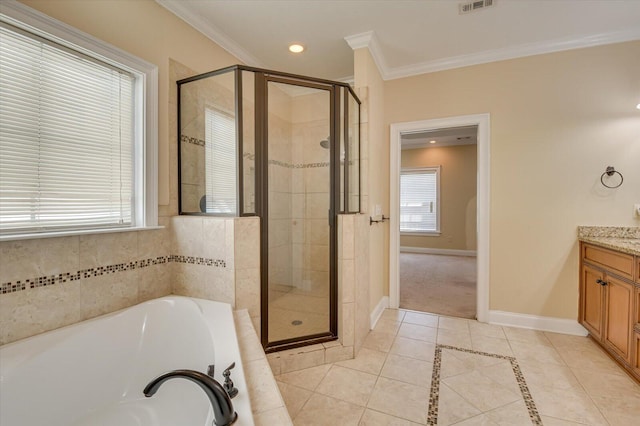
x=473 y=6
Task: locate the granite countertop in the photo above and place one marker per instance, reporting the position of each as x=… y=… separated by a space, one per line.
x=623 y=239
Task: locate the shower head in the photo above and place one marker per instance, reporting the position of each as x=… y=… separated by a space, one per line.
x=325 y=143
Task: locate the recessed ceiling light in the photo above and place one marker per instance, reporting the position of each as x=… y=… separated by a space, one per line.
x=432 y=141
x=296 y=48
x=638 y=106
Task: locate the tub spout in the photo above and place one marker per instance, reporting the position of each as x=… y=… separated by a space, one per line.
x=220 y=401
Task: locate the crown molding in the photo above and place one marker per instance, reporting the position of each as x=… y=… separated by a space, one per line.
x=369 y=40
x=520 y=51
x=179 y=9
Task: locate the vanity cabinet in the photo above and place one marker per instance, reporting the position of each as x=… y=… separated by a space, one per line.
x=610 y=303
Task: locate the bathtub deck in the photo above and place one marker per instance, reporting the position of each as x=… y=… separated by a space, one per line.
x=266 y=402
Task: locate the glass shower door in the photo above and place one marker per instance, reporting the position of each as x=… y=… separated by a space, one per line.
x=298 y=210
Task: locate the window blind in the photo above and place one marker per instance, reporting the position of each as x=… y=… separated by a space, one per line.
x=66 y=138
x=220 y=162
x=418 y=200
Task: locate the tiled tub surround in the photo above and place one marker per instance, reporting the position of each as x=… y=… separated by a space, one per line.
x=564 y=380
x=266 y=401
x=623 y=239
x=52 y=282
x=74 y=278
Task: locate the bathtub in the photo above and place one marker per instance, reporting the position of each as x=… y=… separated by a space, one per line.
x=93 y=372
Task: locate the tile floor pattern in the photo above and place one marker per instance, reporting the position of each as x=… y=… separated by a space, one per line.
x=571 y=381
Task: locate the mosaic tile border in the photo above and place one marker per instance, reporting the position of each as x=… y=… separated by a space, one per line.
x=192 y=141
x=299 y=166
x=49 y=280
x=432 y=417
x=200 y=142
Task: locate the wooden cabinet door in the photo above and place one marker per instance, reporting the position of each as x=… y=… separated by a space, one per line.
x=619 y=317
x=592 y=299
x=635 y=363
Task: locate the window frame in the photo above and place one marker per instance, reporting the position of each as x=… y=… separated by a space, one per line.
x=417 y=170
x=145 y=170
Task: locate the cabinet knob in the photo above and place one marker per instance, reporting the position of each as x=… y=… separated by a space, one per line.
x=601 y=282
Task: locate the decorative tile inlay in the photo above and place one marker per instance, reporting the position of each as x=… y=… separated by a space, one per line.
x=197 y=261
x=193 y=141
x=432 y=416
x=299 y=166
x=202 y=143
x=12 y=287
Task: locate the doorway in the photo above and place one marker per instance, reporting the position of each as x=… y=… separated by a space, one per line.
x=438 y=221
x=400 y=130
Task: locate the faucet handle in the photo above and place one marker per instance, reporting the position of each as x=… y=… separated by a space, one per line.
x=211 y=370
x=227 y=372
x=228 y=383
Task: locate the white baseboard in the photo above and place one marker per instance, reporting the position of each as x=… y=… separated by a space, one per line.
x=535 y=322
x=378 y=310
x=450 y=252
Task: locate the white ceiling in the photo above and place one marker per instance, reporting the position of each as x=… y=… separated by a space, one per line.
x=406 y=37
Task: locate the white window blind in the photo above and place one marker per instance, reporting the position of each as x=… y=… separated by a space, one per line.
x=66 y=138
x=220 y=162
x=419 y=197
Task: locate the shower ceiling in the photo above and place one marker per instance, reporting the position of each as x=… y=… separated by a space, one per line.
x=412 y=36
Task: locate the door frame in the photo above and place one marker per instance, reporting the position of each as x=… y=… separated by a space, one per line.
x=262 y=140
x=483 y=197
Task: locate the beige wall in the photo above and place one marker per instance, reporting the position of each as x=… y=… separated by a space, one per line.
x=557 y=121
x=375 y=168
x=457 y=196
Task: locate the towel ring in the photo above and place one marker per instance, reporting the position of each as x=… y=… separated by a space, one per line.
x=610 y=172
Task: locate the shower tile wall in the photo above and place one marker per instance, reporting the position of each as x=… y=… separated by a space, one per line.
x=280 y=190
x=311 y=191
x=233 y=240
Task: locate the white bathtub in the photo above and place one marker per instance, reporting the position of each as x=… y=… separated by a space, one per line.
x=93 y=372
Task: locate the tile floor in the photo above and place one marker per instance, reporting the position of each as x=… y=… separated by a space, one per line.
x=485 y=375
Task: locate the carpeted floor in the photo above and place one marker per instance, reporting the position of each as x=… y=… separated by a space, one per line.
x=439 y=284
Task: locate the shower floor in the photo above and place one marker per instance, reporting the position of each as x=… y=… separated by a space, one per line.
x=295 y=312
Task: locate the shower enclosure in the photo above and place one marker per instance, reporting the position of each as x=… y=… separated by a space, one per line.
x=286 y=148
